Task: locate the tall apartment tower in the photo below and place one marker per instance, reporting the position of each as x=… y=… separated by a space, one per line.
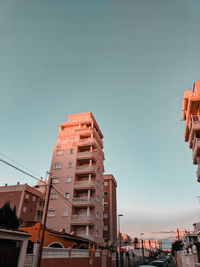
x=191 y=115
x=110 y=209
x=77 y=173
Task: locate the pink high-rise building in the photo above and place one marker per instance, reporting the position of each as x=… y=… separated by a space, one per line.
x=77 y=174
x=191 y=115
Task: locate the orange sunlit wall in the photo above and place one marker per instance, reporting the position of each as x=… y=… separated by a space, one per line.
x=191 y=115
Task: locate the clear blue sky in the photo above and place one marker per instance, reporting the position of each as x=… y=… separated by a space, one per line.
x=129 y=63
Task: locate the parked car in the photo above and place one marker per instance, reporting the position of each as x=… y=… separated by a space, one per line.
x=145 y=266
x=168 y=258
x=158 y=263
x=165 y=261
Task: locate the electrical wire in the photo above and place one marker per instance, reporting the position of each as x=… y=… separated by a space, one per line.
x=68 y=202
x=11 y=165
x=18 y=163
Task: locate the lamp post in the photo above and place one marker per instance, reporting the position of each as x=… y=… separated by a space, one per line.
x=142 y=247
x=120 y=257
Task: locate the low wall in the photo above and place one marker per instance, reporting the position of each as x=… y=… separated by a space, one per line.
x=186 y=260
x=52 y=257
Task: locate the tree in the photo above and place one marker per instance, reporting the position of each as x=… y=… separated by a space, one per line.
x=8 y=217
x=176 y=246
x=135 y=242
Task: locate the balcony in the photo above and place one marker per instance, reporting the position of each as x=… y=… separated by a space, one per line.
x=87 y=155
x=79 y=185
x=83 y=202
x=194 y=126
x=198 y=174
x=196 y=149
x=85 y=169
x=89 y=141
x=82 y=220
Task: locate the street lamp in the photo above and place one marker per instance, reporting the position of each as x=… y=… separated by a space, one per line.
x=120 y=258
x=142 y=246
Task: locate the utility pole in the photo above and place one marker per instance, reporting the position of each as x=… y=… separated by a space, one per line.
x=142 y=247
x=44 y=218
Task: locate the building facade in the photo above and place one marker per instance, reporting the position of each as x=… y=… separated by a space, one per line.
x=110 y=208
x=29 y=202
x=191 y=115
x=76 y=200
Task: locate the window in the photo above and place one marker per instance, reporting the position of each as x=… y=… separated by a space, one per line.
x=105 y=215
x=71 y=151
x=34 y=198
x=59 y=152
x=70 y=164
x=39 y=215
x=65 y=212
x=105 y=193
x=55 y=180
x=51 y=213
x=67 y=195
x=105 y=227
x=57 y=165
x=105 y=204
x=53 y=195
x=30 y=210
x=24 y=209
x=26 y=197
x=69 y=179
x=105 y=183
x=41 y=203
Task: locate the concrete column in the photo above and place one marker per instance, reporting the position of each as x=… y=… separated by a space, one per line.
x=88 y=210
x=22 y=253
x=35 y=252
x=90 y=162
x=90 y=148
x=89 y=193
x=87 y=230
x=90 y=175
x=21 y=204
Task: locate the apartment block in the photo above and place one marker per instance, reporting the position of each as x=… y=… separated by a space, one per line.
x=110 y=208
x=76 y=200
x=191 y=115
x=29 y=202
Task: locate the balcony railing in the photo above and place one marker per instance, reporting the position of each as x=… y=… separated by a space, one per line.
x=88 y=154
x=87 y=182
x=90 y=141
x=83 y=217
x=86 y=168
x=196 y=149
x=83 y=199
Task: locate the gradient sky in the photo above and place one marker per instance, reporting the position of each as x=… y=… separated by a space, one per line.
x=129 y=63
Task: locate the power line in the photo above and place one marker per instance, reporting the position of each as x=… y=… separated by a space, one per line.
x=18 y=163
x=62 y=196
x=11 y=165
